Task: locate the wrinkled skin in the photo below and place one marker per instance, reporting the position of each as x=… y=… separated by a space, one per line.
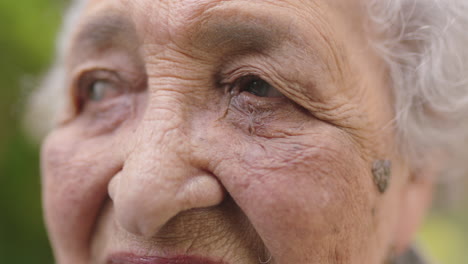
x=177 y=155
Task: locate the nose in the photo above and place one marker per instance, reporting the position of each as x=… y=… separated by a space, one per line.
x=160 y=179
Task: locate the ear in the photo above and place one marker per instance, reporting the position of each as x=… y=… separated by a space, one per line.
x=416 y=199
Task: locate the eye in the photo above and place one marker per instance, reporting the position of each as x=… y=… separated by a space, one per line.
x=100 y=90
x=258 y=87
x=98 y=86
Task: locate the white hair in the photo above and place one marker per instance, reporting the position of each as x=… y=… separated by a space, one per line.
x=425 y=46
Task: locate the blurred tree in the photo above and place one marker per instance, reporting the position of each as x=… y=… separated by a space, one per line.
x=27 y=29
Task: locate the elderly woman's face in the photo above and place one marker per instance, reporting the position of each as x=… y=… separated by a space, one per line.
x=226 y=131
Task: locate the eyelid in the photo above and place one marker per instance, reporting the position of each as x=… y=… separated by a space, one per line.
x=86 y=78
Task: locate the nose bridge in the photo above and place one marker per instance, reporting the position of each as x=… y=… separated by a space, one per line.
x=159 y=180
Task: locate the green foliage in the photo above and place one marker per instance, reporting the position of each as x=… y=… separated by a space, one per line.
x=444 y=239
x=444 y=235
x=27 y=29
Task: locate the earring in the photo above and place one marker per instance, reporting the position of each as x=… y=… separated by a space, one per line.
x=381 y=170
x=265 y=262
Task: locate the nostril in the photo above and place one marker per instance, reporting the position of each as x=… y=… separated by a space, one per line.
x=114 y=185
x=201 y=191
x=122 y=215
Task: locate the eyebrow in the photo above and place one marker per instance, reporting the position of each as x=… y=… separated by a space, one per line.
x=102 y=32
x=234 y=34
x=242 y=33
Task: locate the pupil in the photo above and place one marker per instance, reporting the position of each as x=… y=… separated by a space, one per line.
x=258 y=88
x=98 y=90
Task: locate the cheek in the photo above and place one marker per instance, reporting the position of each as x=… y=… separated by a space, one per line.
x=74 y=188
x=305 y=195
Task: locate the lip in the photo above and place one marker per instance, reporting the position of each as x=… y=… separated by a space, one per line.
x=126 y=258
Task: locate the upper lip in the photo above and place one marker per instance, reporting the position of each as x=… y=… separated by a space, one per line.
x=126 y=258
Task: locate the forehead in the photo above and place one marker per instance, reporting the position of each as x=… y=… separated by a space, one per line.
x=151 y=13
x=159 y=22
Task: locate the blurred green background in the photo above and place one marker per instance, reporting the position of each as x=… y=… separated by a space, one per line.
x=27 y=30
